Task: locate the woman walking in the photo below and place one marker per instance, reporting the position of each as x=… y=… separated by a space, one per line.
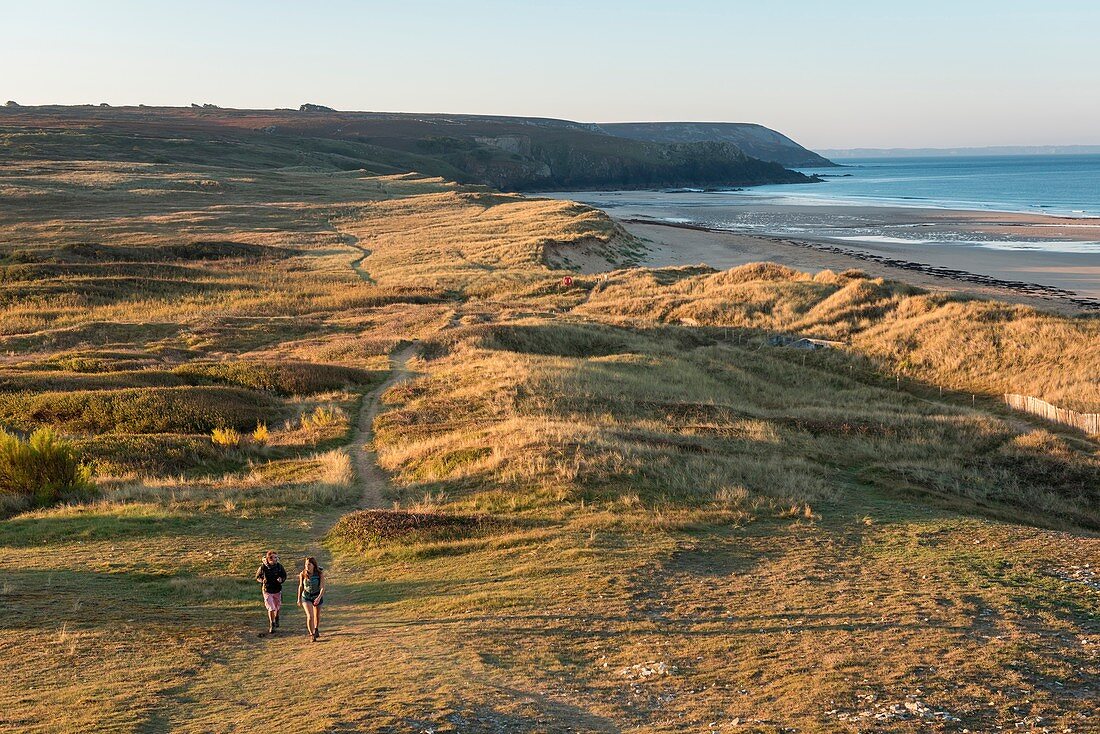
x=311 y=594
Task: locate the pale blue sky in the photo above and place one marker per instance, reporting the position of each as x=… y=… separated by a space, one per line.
x=839 y=73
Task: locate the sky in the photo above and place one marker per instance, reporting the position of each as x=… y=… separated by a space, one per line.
x=831 y=73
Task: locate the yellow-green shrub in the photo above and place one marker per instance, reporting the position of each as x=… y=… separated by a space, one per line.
x=261 y=434
x=44 y=468
x=226 y=437
x=321 y=417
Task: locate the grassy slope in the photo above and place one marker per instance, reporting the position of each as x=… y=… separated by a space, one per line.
x=509 y=153
x=697 y=531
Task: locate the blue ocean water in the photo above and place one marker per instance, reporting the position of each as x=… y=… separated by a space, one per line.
x=1046 y=184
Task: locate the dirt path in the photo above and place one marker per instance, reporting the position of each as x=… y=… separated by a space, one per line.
x=357 y=264
x=372 y=479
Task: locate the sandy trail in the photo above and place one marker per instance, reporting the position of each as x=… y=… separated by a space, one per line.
x=372 y=479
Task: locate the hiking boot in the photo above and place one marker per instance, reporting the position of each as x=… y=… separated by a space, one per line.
x=314 y=635
x=276 y=619
x=271 y=629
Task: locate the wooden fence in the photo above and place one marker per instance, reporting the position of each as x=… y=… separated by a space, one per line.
x=1087 y=422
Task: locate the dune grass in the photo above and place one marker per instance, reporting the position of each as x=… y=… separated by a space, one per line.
x=943 y=339
x=617 y=506
x=481 y=242
x=677 y=424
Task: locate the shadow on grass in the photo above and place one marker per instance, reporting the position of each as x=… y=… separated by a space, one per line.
x=29 y=531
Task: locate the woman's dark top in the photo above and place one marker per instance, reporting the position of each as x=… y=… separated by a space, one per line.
x=311 y=587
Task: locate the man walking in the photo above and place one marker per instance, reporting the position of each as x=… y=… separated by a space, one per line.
x=271 y=576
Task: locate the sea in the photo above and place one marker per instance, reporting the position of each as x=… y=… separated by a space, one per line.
x=892 y=201
x=1063 y=185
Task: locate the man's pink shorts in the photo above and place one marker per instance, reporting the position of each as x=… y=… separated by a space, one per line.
x=273 y=602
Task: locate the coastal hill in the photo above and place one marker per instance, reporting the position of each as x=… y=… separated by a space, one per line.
x=755 y=140
x=509 y=153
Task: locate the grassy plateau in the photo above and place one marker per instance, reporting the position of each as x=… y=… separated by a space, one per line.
x=617 y=505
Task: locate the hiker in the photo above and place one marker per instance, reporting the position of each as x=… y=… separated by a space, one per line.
x=311 y=594
x=271 y=576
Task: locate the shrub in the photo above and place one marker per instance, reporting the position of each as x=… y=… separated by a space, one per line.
x=44 y=468
x=562 y=340
x=366 y=528
x=228 y=438
x=322 y=417
x=261 y=434
x=145 y=454
x=138 y=410
x=289 y=378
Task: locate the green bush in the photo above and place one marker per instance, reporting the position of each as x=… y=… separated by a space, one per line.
x=121 y=454
x=139 y=410
x=44 y=468
x=289 y=378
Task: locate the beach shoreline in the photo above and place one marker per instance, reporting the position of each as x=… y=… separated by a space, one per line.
x=676 y=244
x=1043 y=260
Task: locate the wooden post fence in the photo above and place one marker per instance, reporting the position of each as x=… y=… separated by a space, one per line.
x=1087 y=422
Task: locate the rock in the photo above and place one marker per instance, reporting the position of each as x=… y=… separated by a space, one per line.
x=307 y=107
x=12 y=103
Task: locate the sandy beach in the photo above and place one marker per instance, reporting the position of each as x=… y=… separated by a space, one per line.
x=675 y=245
x=1047 y=261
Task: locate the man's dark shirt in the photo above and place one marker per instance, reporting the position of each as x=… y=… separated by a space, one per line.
x=273 y=577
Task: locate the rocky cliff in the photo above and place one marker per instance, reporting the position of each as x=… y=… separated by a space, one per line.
x=755 y=140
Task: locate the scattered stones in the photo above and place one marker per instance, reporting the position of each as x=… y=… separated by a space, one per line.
x=910 y=709
x=1084 y=574
x=651 y=669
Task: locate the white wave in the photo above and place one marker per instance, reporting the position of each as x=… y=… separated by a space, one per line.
x=883 y=239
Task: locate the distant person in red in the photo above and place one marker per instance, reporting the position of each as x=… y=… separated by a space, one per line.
x=311 y=594
x=271 y=576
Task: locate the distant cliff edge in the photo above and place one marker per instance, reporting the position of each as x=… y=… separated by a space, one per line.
x=755 y=140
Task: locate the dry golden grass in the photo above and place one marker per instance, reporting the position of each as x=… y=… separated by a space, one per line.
x=697 y=533
x=620 y=412
x=964 y=344
x=477 y=242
